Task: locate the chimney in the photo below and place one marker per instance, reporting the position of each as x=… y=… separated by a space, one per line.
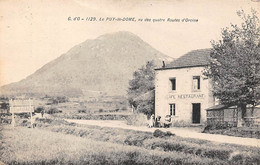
x=163 y=64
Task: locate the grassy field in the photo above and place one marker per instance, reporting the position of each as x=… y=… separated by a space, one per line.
x=23 y=145
x=58 y=142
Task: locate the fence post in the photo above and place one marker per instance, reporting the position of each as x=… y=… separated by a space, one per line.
x=13 y=120
x=12 y=110
x=31 y=112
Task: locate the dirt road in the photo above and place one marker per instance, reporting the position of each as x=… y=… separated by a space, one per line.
x=182 y=132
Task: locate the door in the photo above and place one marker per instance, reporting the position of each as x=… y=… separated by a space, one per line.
x=196 y=113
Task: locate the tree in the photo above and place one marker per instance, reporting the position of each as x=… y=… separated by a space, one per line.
x=141 y=89
x=234 y=63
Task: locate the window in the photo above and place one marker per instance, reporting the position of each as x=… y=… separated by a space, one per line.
x=172 y=109
x=196 y=83
x=173 y=83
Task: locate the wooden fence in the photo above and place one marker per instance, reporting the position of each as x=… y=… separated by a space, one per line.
x=223 y=117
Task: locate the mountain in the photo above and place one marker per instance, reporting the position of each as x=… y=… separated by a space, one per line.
x=103 y=65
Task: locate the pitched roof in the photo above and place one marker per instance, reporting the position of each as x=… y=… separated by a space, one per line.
x=193 y=58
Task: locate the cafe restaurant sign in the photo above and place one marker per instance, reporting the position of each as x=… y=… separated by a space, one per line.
x=186 y=96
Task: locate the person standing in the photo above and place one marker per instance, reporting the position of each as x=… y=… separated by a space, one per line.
x=151 y=121
x=42 y=112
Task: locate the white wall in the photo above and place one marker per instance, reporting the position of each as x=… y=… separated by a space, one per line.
x=184 y=95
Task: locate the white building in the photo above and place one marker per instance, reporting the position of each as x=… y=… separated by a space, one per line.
x=182 y=91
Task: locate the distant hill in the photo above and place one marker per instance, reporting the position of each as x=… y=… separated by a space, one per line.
x=103 y=65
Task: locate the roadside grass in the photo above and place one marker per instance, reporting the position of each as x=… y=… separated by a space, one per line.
x=231 y=153
x=133 y=147
x=23 y=145
x=227 y=152
x=236 y=131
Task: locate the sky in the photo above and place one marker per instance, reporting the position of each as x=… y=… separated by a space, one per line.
x=33 y=33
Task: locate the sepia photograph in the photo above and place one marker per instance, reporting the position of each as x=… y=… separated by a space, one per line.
x=129 y=82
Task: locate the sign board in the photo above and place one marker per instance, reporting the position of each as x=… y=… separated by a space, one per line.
x=21 y=106
x=187 y=96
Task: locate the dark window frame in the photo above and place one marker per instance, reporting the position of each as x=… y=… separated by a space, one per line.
x=198 y=82
x=173 y=83
x=172 y=109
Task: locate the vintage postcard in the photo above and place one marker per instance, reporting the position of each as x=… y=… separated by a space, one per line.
x=129 y=82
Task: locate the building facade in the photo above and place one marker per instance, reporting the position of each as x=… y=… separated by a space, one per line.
x=181 y=89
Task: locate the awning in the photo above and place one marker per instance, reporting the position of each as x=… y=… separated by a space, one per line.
x=220 y=107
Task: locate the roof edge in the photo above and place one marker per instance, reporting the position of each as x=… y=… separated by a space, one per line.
x=180 y=67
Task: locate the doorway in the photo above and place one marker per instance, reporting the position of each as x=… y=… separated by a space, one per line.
x=195 y=113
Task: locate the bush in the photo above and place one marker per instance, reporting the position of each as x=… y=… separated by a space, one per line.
x=23 y=123
x=188 y=148
x=233 y=131
x=207 y=128
x=45 y=122
x=56 y=100
x=82 y=111
x=39 y=109
x=24 y=115
x=137 y=139
x=219 y=154
x=161 y=134
x=243 y=158
x=53 y=110
x=137 y=119
x=89 y=116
